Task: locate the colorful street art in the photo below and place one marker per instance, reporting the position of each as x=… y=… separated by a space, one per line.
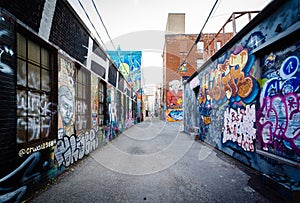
x=239 y=127
x=279 y=115
x=71 y=146
x=129 y=64
x=174 y=102
x=174 y=94
x=229 y=82
x=174 y=115
x=66 y=97
x=94 y=100
x=249 y=99
x=111 y=128
x=70 y=149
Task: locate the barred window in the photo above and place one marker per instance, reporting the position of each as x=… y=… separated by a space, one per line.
x=34 y=82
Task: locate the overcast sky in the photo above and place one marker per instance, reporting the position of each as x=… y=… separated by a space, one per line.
x=140 y=24
x=126 y=16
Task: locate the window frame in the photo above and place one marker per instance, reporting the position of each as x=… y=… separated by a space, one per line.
x=46 y=110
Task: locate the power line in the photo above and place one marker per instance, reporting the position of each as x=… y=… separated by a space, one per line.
x=91 y=23
x=114 y=47
x=199 y=35
x=103 y=24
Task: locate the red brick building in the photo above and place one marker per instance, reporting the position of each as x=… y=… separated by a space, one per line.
x=176 y=51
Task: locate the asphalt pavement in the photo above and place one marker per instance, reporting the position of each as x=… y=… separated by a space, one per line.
x=154 y=161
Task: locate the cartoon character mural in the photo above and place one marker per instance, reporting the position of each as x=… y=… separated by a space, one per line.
x=174 y=101
x=174 y=94
x=129 y=64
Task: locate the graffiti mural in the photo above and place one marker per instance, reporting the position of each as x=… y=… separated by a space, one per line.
x=174 y=115
x=94 y=100
x=6 y=50
x=229 y=82
x=70 y=149
x=190 y=112
x=174 y=101
x=39 y=108
x=279 y=113
x=229 y=85
x=239 y=127
x=174 y=94
x=129 y=64
x=111 y=128
x=66 y=97
x=14 y=185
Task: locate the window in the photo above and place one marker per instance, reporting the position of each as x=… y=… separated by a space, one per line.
x=119 y=107
x=101 y=108
x=199 y=63
x=200 y=47
x=82 y=99
x=34 y=100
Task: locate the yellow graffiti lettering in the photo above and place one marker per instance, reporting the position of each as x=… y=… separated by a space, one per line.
x=239 y=59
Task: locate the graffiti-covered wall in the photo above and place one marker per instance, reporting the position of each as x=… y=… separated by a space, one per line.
x=60 y=96
x=247 y=97
x=278 y=116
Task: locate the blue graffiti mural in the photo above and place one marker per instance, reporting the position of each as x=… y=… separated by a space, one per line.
x=129 y=64
x=14 y=185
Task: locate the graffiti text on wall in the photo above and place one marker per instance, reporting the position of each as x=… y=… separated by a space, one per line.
x=25 y=174
x=174 y=115
x=279 y=115
x=239 y=127
x=38 y=109
x=42 y=146
x=230 y=82
x=70 y=149
x=81 y=115
x=4 y=49
x=279 y=120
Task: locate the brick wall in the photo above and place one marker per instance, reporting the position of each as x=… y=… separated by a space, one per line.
x=27 y=11
x=68 y=33
x=7 y=97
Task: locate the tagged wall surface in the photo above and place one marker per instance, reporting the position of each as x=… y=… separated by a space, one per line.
x=56 y=104
x=247 y=98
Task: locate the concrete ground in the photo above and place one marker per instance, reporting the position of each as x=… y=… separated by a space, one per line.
x=155 y=162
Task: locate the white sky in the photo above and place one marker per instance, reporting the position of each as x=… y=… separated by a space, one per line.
x=140 y=24
x=126 y=16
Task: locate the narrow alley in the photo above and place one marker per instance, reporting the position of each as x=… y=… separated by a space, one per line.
x=154 y=162
x=99 y=105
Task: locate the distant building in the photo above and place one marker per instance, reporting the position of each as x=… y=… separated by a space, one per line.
x=177 y=47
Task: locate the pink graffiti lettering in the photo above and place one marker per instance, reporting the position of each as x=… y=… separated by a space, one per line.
x=278 y=122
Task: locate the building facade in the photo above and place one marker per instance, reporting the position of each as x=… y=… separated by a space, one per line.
x=245 y=100
x=61 y=97
x=180 y=61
